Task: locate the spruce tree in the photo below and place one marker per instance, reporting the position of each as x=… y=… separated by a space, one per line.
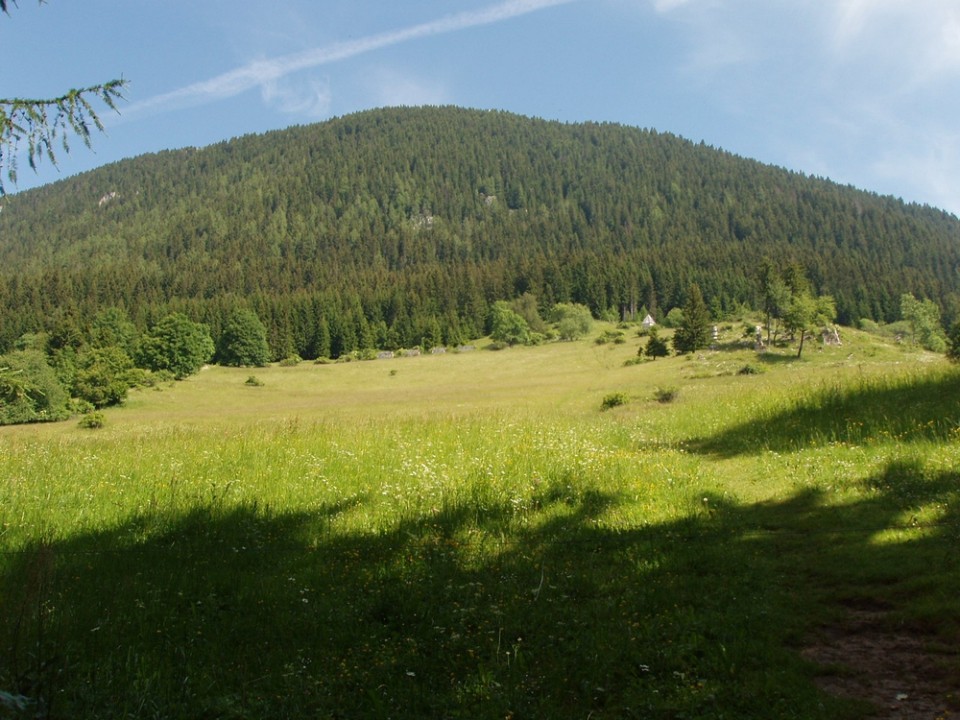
x=694 y=332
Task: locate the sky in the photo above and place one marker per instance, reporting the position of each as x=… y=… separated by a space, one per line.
x=864 y=92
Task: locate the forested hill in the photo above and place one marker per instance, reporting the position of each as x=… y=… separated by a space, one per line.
x=388 y=224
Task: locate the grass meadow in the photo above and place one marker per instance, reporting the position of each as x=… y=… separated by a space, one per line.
x=471 y=536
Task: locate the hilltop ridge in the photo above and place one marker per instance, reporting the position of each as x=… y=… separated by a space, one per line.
x=399 y=221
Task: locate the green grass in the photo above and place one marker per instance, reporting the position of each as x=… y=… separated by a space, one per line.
x=471 y=536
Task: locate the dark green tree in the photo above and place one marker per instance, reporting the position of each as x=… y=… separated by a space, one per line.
x=244 y=341
x=953 y=343
x=177 y=345
x=656 y=345
x=694 y=332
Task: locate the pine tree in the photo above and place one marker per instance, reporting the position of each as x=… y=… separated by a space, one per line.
x=656 y=346
x=694 y=332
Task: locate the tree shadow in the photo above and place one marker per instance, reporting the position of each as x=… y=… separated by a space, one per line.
x=474 y=610
x=922 y=408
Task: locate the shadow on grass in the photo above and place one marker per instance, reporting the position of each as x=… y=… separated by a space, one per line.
x=471 y=611
x=911 y=409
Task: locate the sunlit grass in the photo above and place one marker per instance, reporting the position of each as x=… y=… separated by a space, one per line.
x=471 y=535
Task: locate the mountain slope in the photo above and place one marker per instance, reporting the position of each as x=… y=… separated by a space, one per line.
x=380 y=226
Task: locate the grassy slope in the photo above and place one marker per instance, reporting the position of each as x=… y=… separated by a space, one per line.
x=471 y=536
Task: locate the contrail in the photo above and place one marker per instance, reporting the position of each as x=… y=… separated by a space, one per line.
x=259 y=72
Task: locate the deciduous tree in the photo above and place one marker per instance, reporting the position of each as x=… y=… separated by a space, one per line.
x=176 y=344
x=244 y=341
x=924 y=319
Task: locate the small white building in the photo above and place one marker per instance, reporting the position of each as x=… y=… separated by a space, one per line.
x=648 y=322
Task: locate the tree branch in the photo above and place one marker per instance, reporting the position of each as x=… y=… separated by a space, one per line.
x=45 y=124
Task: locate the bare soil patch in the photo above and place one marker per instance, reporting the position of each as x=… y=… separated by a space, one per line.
x=904 y=675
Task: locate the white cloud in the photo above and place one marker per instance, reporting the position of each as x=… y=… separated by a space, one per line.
x=917 y=41
x=310 y=98
x=264 y=72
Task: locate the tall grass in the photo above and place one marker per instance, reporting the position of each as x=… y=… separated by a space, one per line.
x=533 y=557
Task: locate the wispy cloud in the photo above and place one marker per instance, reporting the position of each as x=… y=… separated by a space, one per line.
x=310 y=98
x=263 y=73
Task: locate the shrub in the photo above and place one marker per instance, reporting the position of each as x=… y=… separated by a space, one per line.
x=254 y=381
x=666 y=395
x=92 y=421
x=748 y=369
x=291 y=361
x=614 y=336
x=79 y=406
x=613 y=400
x=573 y=320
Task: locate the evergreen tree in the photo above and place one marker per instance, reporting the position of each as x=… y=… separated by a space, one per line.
x=656 y=346
x=953 y=343
x=694 y=331
x=43 y=124
x=321 y=340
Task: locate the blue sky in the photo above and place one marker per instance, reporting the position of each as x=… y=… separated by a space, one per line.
x=864 y=92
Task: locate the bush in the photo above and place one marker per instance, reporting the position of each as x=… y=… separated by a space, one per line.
x=666 y=395
x=254 y=381
x=573 y=320
x=614 y=336
x=291 y=361
x=613 y=400
x=92 y=421
x=79 y=406
x=749 y=370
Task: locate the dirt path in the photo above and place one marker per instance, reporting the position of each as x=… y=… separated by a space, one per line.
x=905 y=676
